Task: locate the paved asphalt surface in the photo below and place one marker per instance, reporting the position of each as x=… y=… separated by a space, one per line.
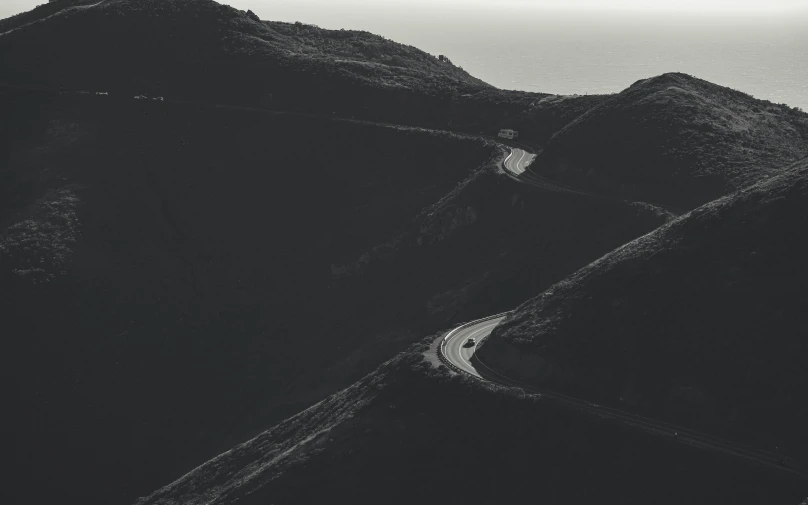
x=456 y=350
x=518 y=160
x=462 y=356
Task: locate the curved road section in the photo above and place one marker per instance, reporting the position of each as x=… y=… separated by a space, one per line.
x=456 y=350
x=517 y=162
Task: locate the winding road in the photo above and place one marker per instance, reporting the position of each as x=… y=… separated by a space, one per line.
x=518 y=160
x=454 y=350
x=454 y=347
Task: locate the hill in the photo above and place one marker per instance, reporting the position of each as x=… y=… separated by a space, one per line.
x=410 y=433
x=487 y=245
x=115 y=213
x=483 y=248
x=204 y=51
x=167 y=266
x=181 y=273
x=536 y=116
x=207 y=262
x=675 y=139
x=700 y=322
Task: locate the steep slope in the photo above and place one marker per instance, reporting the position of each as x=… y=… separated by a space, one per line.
x=701 y=322
x=201 y=50
x=180 y=275
x=490 y=243
x=172 y=256
x=537 y=116
x=409 y=433
x=40 y=12
x=167 y=266
x=201 y=261
x=485 y=247
x=676 y=139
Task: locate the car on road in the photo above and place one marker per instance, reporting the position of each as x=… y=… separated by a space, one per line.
x=470 y=342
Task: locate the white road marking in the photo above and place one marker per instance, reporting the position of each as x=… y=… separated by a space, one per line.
x=477 y=331
x=517 y=166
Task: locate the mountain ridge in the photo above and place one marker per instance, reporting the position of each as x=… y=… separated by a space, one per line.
x=683 y=315
x=676 y=139
x=189 y=268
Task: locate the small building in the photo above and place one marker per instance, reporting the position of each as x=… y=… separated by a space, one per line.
x=508 y=134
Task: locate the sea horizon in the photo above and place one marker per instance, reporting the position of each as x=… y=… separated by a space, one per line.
x=515 y=45
x=569 y=52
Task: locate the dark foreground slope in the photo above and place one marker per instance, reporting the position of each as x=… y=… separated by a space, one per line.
x=202 y=50
x=485 y=247
x=676 y=139
x=536 y=116
x=701 y=322
x=179 y=277
x=409 y=433
x=490 y=243
x=166 y=273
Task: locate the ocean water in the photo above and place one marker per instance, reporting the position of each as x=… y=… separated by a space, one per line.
x=764 y=54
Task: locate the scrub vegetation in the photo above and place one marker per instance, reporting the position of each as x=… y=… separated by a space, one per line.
x=225 y=275
x=676 y=139
x=408 y=431
x=283 y=207
x=701 y=322
x=133 y=47
x=168 y=285
x=202 y=50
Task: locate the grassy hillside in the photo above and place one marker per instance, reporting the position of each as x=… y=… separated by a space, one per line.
x=188 y=275
x=284 y=66
x=701 y=322
x=166 y=273
x=409 y=433
x=202 y=50
x=211 y=33
x=537 y=116
x=39 y=13
x=676 y=139
x=489 y=244
x=486 y=246
x=178 y=275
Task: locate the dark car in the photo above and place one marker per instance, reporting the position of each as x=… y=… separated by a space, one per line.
x=470 y=342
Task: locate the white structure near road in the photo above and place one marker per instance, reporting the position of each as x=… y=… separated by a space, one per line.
x=508 y=134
